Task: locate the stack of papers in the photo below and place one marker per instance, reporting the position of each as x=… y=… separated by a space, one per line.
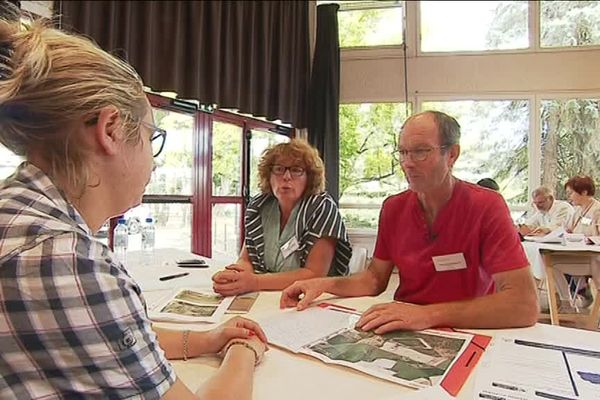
x=556 y=236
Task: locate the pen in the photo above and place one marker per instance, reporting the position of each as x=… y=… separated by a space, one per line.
x=168 y=277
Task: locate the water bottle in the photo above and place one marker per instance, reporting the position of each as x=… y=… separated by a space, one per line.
x=148 y=239
x=121 y=240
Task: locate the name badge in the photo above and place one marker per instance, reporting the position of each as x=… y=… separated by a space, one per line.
x=289 y=247
x=449 y=262
x=587 y=221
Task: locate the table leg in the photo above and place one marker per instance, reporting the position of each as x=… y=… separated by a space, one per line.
x=551 y=289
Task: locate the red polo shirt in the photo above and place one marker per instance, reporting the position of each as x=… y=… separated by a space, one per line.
x=475 y=222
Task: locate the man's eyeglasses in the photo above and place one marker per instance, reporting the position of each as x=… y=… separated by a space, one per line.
x=419 y=154
x=295 y=172
x=157 y=139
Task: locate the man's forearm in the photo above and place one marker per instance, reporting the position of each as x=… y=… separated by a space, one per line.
x=362 y=284
x=281 y=280
x=499 y=310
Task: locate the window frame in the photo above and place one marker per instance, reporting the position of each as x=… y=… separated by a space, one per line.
x=204 y=201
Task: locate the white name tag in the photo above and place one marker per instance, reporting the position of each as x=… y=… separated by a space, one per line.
x=449 y=262
x=587 y=221
x=289 y=247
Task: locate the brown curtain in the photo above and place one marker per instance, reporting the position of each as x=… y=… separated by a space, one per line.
x=248 y=55
x=323 y=111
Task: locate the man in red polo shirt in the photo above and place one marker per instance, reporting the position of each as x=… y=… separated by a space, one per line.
x=458 y=255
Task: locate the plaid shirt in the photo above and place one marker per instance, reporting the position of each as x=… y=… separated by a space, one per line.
x=73 y=323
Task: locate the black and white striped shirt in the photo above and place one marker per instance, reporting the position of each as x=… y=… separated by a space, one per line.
x=318 y=216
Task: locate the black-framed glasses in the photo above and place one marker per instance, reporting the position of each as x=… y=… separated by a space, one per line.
x=295 y=171
x=418 y=154
x=157 y=139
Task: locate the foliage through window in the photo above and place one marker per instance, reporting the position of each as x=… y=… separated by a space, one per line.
x=473 y=25
x=569 y=23
x=227 y=159
x=570 y=141
x=494 y=138
x=370 y=23
x=369 y=172
x=172 y=177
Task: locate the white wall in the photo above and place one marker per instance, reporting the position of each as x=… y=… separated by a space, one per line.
x=380 y=77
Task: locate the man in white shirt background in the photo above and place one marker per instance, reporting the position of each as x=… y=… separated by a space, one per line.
x=550 y=214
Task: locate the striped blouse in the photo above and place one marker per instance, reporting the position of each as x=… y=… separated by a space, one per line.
x=318 y=216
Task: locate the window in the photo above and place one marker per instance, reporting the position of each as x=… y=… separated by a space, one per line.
x=494 y=138
x=168 y=196
x=369 y=172
x=569 y=23
x=227 y=177
x=570 y=141
x=473 y=25
x=8 y=162
x=235 y=145
x=370 y=23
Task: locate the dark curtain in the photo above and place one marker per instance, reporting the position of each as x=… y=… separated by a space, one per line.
x=249 y=55
x=324 y=97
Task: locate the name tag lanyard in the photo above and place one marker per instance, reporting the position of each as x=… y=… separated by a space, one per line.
x=583 y=214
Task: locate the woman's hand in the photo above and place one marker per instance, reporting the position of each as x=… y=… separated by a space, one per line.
x=235 y=328
x=235 y=279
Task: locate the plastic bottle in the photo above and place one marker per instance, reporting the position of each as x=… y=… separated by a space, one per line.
x=121 y=240
x=148 y=236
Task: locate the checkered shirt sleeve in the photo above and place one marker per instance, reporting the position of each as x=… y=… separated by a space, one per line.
x=73 y=324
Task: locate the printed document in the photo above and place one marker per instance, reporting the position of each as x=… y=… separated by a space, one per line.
x=415 y=359
x=514 y=369
x=190 y=305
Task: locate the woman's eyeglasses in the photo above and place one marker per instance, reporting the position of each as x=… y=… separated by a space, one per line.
x=157 y=139
x=296 y=172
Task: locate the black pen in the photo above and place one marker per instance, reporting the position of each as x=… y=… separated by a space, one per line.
x=168 y=277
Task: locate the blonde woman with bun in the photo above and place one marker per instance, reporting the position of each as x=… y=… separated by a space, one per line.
x=73 y=322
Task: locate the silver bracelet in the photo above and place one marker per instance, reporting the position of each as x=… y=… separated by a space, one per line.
x=186 y=336
x=234 y=342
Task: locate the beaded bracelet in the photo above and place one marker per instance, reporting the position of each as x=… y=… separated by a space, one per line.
x=234 y=342
x=186 y=336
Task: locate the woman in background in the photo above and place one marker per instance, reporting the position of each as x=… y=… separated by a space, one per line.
x=586 y=216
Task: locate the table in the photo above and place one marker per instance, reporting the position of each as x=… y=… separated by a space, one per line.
x=534 y=250
x=297 y=377
x=543 y=257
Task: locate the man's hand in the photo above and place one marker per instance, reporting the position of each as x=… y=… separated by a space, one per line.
x=540 y=231
x=395 y=316
x=525 y=230
x=301 y=293
x=235 y=279
x=236 y=327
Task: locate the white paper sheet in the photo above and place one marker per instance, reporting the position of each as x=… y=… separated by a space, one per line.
x=430 y=393
x=519 y=370
x=293 y=329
